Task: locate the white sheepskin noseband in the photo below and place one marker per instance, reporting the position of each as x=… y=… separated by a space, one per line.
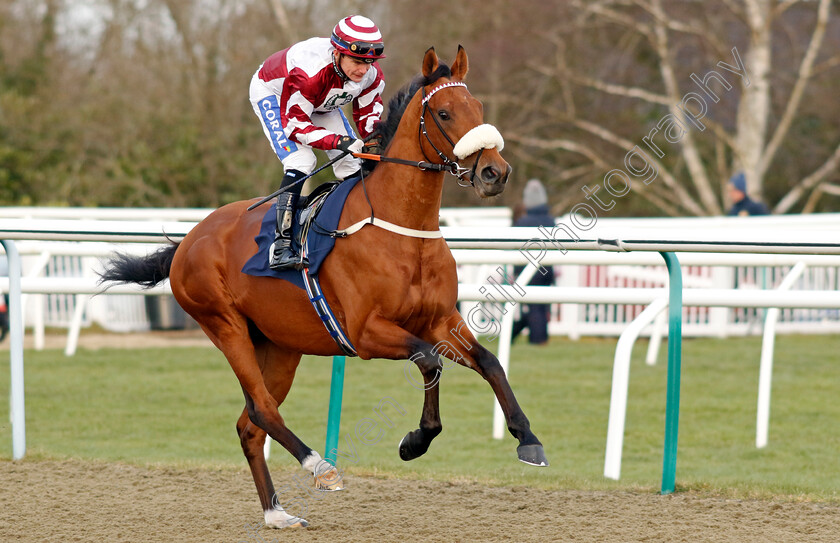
x=483 y=136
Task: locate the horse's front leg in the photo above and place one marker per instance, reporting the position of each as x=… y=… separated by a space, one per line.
x=416 y=442
x=381 y=338
x=456 y=342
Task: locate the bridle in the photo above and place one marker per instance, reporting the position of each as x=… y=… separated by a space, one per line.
x=476 y=140
x=451 y=165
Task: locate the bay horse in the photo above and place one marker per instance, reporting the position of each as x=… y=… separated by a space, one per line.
x=394 y=294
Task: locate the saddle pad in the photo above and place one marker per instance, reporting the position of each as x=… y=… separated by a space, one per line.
x=318 y=243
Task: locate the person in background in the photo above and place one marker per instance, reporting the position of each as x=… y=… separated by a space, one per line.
x=536 y=213
x=743 y=205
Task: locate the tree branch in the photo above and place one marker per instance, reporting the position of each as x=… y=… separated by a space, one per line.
x=826 y=65
x=679 y=191
x=799 y=87
x=694 y=163
x=670 y=22
x=827 y=188
x=564 y=144
x=782 y=7
x=734 y=8
x=652 y=197
x=598 y=8
x=808 y=183
x=619 y=90
x=282 y=18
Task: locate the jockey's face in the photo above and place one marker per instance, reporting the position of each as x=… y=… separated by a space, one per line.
x=354 y=68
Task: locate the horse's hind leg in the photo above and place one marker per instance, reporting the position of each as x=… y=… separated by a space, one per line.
x=230 y=333
x=278 y=370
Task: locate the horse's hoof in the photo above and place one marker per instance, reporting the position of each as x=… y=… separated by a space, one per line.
x=413 y=445
x=404 y=452
x=280 y=519
x=533 y=455
x=292 y=523
x=329 y=481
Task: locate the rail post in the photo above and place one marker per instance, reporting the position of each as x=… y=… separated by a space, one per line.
x=672 y=407
x=334 y=416
x=18 y=415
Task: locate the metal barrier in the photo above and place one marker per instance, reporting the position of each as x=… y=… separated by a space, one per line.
x=525 y=240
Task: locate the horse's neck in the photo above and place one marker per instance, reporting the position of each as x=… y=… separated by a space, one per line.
x=406 y=195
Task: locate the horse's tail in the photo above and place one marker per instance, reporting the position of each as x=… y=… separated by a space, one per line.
x=147 y=270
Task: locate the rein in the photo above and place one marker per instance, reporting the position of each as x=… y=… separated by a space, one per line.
x=421 y=165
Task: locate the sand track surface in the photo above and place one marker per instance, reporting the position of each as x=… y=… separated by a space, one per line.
x=79 y=500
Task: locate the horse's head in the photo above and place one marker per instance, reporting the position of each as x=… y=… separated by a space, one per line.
x=457 y=133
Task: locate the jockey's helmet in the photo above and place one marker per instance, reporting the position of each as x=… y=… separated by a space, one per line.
x=358 y=36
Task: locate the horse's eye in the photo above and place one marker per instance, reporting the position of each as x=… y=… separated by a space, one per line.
x=444 y=116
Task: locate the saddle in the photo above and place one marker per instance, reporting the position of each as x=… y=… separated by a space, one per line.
x=316 y=220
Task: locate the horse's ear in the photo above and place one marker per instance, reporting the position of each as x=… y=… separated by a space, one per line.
x=430 y=62
x=461 y=65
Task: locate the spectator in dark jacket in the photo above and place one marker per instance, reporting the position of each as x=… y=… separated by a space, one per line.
x=535 y=316
x=743 y=205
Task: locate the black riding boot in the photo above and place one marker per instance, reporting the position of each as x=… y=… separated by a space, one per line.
x=282 y=255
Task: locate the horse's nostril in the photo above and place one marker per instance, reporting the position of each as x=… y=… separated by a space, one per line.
x=490 y=173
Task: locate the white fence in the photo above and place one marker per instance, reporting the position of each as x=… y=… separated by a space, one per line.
x=673 y=235
x=574 y=270
x=128 y=313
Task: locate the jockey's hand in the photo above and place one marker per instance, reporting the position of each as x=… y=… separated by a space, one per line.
x=374 y=145
x=351 y=145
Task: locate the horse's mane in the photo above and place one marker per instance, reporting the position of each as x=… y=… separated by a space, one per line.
x=396 y=105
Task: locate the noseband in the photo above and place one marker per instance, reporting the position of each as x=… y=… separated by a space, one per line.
x=478 y=139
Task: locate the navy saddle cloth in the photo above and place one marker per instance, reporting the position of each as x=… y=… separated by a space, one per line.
x=318 y=243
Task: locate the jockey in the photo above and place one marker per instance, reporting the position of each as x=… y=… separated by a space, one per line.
x=298 y=92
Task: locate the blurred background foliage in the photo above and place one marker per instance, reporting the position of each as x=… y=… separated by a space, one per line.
x=145 y=102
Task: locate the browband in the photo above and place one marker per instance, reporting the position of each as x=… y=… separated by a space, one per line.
x=441 y=87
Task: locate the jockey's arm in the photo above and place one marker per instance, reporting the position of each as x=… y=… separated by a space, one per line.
x=297 y=106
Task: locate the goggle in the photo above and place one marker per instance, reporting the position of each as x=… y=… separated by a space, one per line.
x=361 y=48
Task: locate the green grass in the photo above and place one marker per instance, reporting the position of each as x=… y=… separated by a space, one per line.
x=178 y=406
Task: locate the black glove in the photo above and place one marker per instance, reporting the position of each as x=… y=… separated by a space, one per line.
x=374 y=145
x=348 y=144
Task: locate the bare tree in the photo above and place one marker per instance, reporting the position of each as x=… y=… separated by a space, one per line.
x=676 y=39
x=153 y=109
